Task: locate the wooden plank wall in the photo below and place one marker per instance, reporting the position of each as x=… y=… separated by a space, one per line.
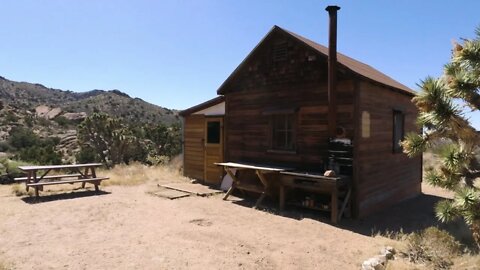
x=384 y=178
x=298 y=83
x=194 y=133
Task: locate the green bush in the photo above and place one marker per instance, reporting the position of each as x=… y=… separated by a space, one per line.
x=21 y=137
x=87 y=155
x=63 y=121
x=5 y=146
x=40 y=155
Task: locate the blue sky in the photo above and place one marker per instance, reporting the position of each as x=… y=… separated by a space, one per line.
x=176 y=53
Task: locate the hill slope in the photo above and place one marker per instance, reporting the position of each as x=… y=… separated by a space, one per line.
x=114 y=102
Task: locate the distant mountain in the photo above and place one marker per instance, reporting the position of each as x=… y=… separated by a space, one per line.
x=113 y=102
x=54 y=113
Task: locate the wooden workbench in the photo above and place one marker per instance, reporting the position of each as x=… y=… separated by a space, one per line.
x=317 y=184
x=260 y=171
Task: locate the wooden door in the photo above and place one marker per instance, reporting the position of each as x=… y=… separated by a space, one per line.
x=213 y=149
x=194 y=143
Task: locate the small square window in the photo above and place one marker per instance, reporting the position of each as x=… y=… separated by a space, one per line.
x=398 y=130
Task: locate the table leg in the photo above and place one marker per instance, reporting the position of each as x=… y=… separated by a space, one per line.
x=334 y=205
x=234 y=183
x=345 y=202
x=259 y=201
x=265 y=187
x=29 y=178
x=282 y=197
x=85 y=175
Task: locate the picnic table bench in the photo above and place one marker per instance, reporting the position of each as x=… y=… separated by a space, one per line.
x=38 y=176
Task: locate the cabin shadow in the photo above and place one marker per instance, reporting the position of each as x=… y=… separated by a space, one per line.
x=64 y=196
x=409 y=216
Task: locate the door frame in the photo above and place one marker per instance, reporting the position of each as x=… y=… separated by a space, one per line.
x=213 y=118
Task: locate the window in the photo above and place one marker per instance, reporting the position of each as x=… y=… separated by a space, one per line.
x=398 y=130
x=213 y=132
x=283 y=134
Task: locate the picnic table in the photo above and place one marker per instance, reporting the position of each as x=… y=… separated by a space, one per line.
x=39 y=176
x=260 y=171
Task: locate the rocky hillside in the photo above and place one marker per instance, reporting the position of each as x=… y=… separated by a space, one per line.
x=114 y=102
x=54 y=113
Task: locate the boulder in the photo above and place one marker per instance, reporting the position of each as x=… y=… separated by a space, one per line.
x=75 y=116
x=47 y=112
x=53 y=113
x=42 y=110
x=388 y=252
x=376 y=263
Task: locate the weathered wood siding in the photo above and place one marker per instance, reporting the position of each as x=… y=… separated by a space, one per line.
x=383 y=178
x=194 y=156
x=299 y=83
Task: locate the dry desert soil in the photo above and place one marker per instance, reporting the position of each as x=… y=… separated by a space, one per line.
x=125 y=227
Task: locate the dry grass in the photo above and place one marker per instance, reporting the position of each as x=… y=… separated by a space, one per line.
x=5 y=266
x=122 y=175
x=137 y=174
x=20 y=190
x=429 y=249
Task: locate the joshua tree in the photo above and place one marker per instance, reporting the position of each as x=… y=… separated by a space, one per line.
x=443 y=103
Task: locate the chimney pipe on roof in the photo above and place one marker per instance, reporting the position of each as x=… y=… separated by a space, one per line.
x=332 y=70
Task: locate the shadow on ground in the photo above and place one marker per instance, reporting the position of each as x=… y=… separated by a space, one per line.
x=63 y=196
x=409 y=216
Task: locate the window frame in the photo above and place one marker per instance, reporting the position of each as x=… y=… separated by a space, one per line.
x=396 y=147
x=292 y=132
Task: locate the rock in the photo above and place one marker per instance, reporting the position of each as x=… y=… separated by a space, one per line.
x=53 y=113
x=329 y=173
x=388 y=252
x=47 y=112
x=75 y=116
x=42 y=110
x=376 y=263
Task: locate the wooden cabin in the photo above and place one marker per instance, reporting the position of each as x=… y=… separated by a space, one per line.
x=277 y=111
x=203 y=141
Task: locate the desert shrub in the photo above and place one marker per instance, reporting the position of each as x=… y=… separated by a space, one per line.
x=21 y=137
x=10 y=117
x=157 y=160
x=43 y=122
x=87 y=155
x=29 y=120
x=433 y=247
x=63 y=121
x=5 y=146
x=114 y=141
x=40 y=155
x=10 y=167
x=32 y=148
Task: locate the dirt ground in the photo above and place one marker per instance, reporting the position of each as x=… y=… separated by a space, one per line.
x=127 y=228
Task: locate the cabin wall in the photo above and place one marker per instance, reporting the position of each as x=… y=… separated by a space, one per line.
x=297 y=83
x=383 y=178
x=193 y=148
